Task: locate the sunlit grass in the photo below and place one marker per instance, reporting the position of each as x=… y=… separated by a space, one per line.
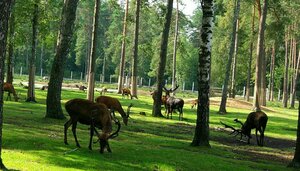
x=33 y=142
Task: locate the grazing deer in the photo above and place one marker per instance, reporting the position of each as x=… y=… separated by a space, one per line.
x=114 y=104
x=10 y=89
x=96 y=115
x=81 y=87
x=257 y=120
x=126 y=92
x=194 y=103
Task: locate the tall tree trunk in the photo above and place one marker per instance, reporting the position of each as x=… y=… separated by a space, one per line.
x=292 y=67
x=271 y=81
x=234 y=61
x=91 y=80
x=10 y=57
x=201 y=136
x=222 y=108
x=122 y=60
x=259 y=52
x=250 y=57
x=296 y=160
x=103 y=69
x=175 y=47
x=293 y=95
x=5 y=7
x=32 y=67
x=41 y=58
x=162 y=62
x=135 y=50
x=263 y=97
x=54 y=109
x=286 y=73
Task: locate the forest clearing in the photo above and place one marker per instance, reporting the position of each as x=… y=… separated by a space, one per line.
x=154 y=85
x=32 y=142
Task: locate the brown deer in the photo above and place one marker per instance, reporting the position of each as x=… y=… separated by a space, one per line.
x=257 y=120
x=96 y=115
x=173 y=103
x=126 y=92
x=114 y=104
x=103 y=91
x=194 y=103
x=81 y=87
x=10 y=89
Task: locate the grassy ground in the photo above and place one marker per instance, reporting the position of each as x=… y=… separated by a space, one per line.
x=32 y=142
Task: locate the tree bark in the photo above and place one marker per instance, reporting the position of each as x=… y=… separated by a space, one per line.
x=91 y=80
x=271 y=82
x=54 y=109
x=259 y=52
x=293 y=94
x=135 y=50
x=292 y=68
x=234 y=61
x=123 y=49
x=263 y=98
x=175 y=47
x=222 y=108
x=162 y=62
x=5 y=9
x=10 y=57
x=296 y=160
x=201 y=136
x=32 y=67
x=250 y=57
x=285 y=79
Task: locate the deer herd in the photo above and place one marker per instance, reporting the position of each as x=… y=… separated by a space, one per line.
x=100 y=114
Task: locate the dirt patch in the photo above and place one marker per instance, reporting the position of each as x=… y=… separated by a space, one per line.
x=236 y=103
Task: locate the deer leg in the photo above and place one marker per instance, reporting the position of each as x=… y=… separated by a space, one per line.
x=67 y=125
x=92 y=128
x=181 y=114
x=171 y=112
x=74 y=133
x=258 y=141
x=248 y=140
x=261 y=138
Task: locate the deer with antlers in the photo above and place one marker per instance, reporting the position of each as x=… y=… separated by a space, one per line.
x=257 y=120
x=173 y=103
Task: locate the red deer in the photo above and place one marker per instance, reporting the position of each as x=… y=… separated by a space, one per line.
x=114 y=104
x=44 y=87
x=93 y=114
x=103 y=91
x=10 y=89
x=81 y=87
x=257 y=120
x=194 y=103
x=126 y=92
x=173 y=103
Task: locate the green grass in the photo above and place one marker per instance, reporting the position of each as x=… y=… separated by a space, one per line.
x=32 y=142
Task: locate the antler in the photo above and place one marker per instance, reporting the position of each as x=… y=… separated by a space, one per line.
x=115 y=134
x=128 y=109
x=238 y=121
x=174 y=88
x=237 y=131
